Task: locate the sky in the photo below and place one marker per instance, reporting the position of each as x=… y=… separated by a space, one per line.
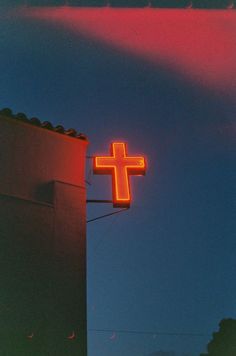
x=164 y=82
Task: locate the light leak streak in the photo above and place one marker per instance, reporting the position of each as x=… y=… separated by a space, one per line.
x=199 y=45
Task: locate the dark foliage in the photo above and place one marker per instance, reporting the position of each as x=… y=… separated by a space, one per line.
x=223 y=342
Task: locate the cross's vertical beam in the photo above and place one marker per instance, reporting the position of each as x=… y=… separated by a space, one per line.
x=120 y=166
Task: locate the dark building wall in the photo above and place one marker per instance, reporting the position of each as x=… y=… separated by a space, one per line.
x=42 y=241
x=32 y=157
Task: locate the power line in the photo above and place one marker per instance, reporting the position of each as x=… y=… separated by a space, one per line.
x=100 y=240
x=137 y=332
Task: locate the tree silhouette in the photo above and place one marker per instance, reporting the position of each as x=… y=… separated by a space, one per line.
x=223 y=342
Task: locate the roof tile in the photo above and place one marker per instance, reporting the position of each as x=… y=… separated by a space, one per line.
x=45 y=124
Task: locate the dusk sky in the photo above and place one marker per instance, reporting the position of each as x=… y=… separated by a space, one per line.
x=161 y=275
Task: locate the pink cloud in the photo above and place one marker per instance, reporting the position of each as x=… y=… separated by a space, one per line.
x=199 y=44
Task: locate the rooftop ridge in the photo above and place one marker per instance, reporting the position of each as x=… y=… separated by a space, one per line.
x=47 y=125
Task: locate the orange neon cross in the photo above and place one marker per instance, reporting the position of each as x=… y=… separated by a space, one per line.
x=120 y=166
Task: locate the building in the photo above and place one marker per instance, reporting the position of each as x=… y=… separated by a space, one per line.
x=42 y=238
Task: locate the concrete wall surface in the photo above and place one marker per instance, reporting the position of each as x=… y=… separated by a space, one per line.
x=42 y=242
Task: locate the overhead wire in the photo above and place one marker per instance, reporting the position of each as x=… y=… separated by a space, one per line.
x=105 y=233
x=153 y=332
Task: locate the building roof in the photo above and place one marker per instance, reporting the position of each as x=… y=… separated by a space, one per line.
x=43 y=124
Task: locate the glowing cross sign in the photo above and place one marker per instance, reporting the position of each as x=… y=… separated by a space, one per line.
x=120 y=166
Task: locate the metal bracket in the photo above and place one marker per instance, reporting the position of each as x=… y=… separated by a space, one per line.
x=106 y=215
x=104 y=201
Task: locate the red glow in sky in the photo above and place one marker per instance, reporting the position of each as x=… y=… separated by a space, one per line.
x=199 y=44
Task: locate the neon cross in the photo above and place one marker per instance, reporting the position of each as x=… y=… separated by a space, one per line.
x=120 y=166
